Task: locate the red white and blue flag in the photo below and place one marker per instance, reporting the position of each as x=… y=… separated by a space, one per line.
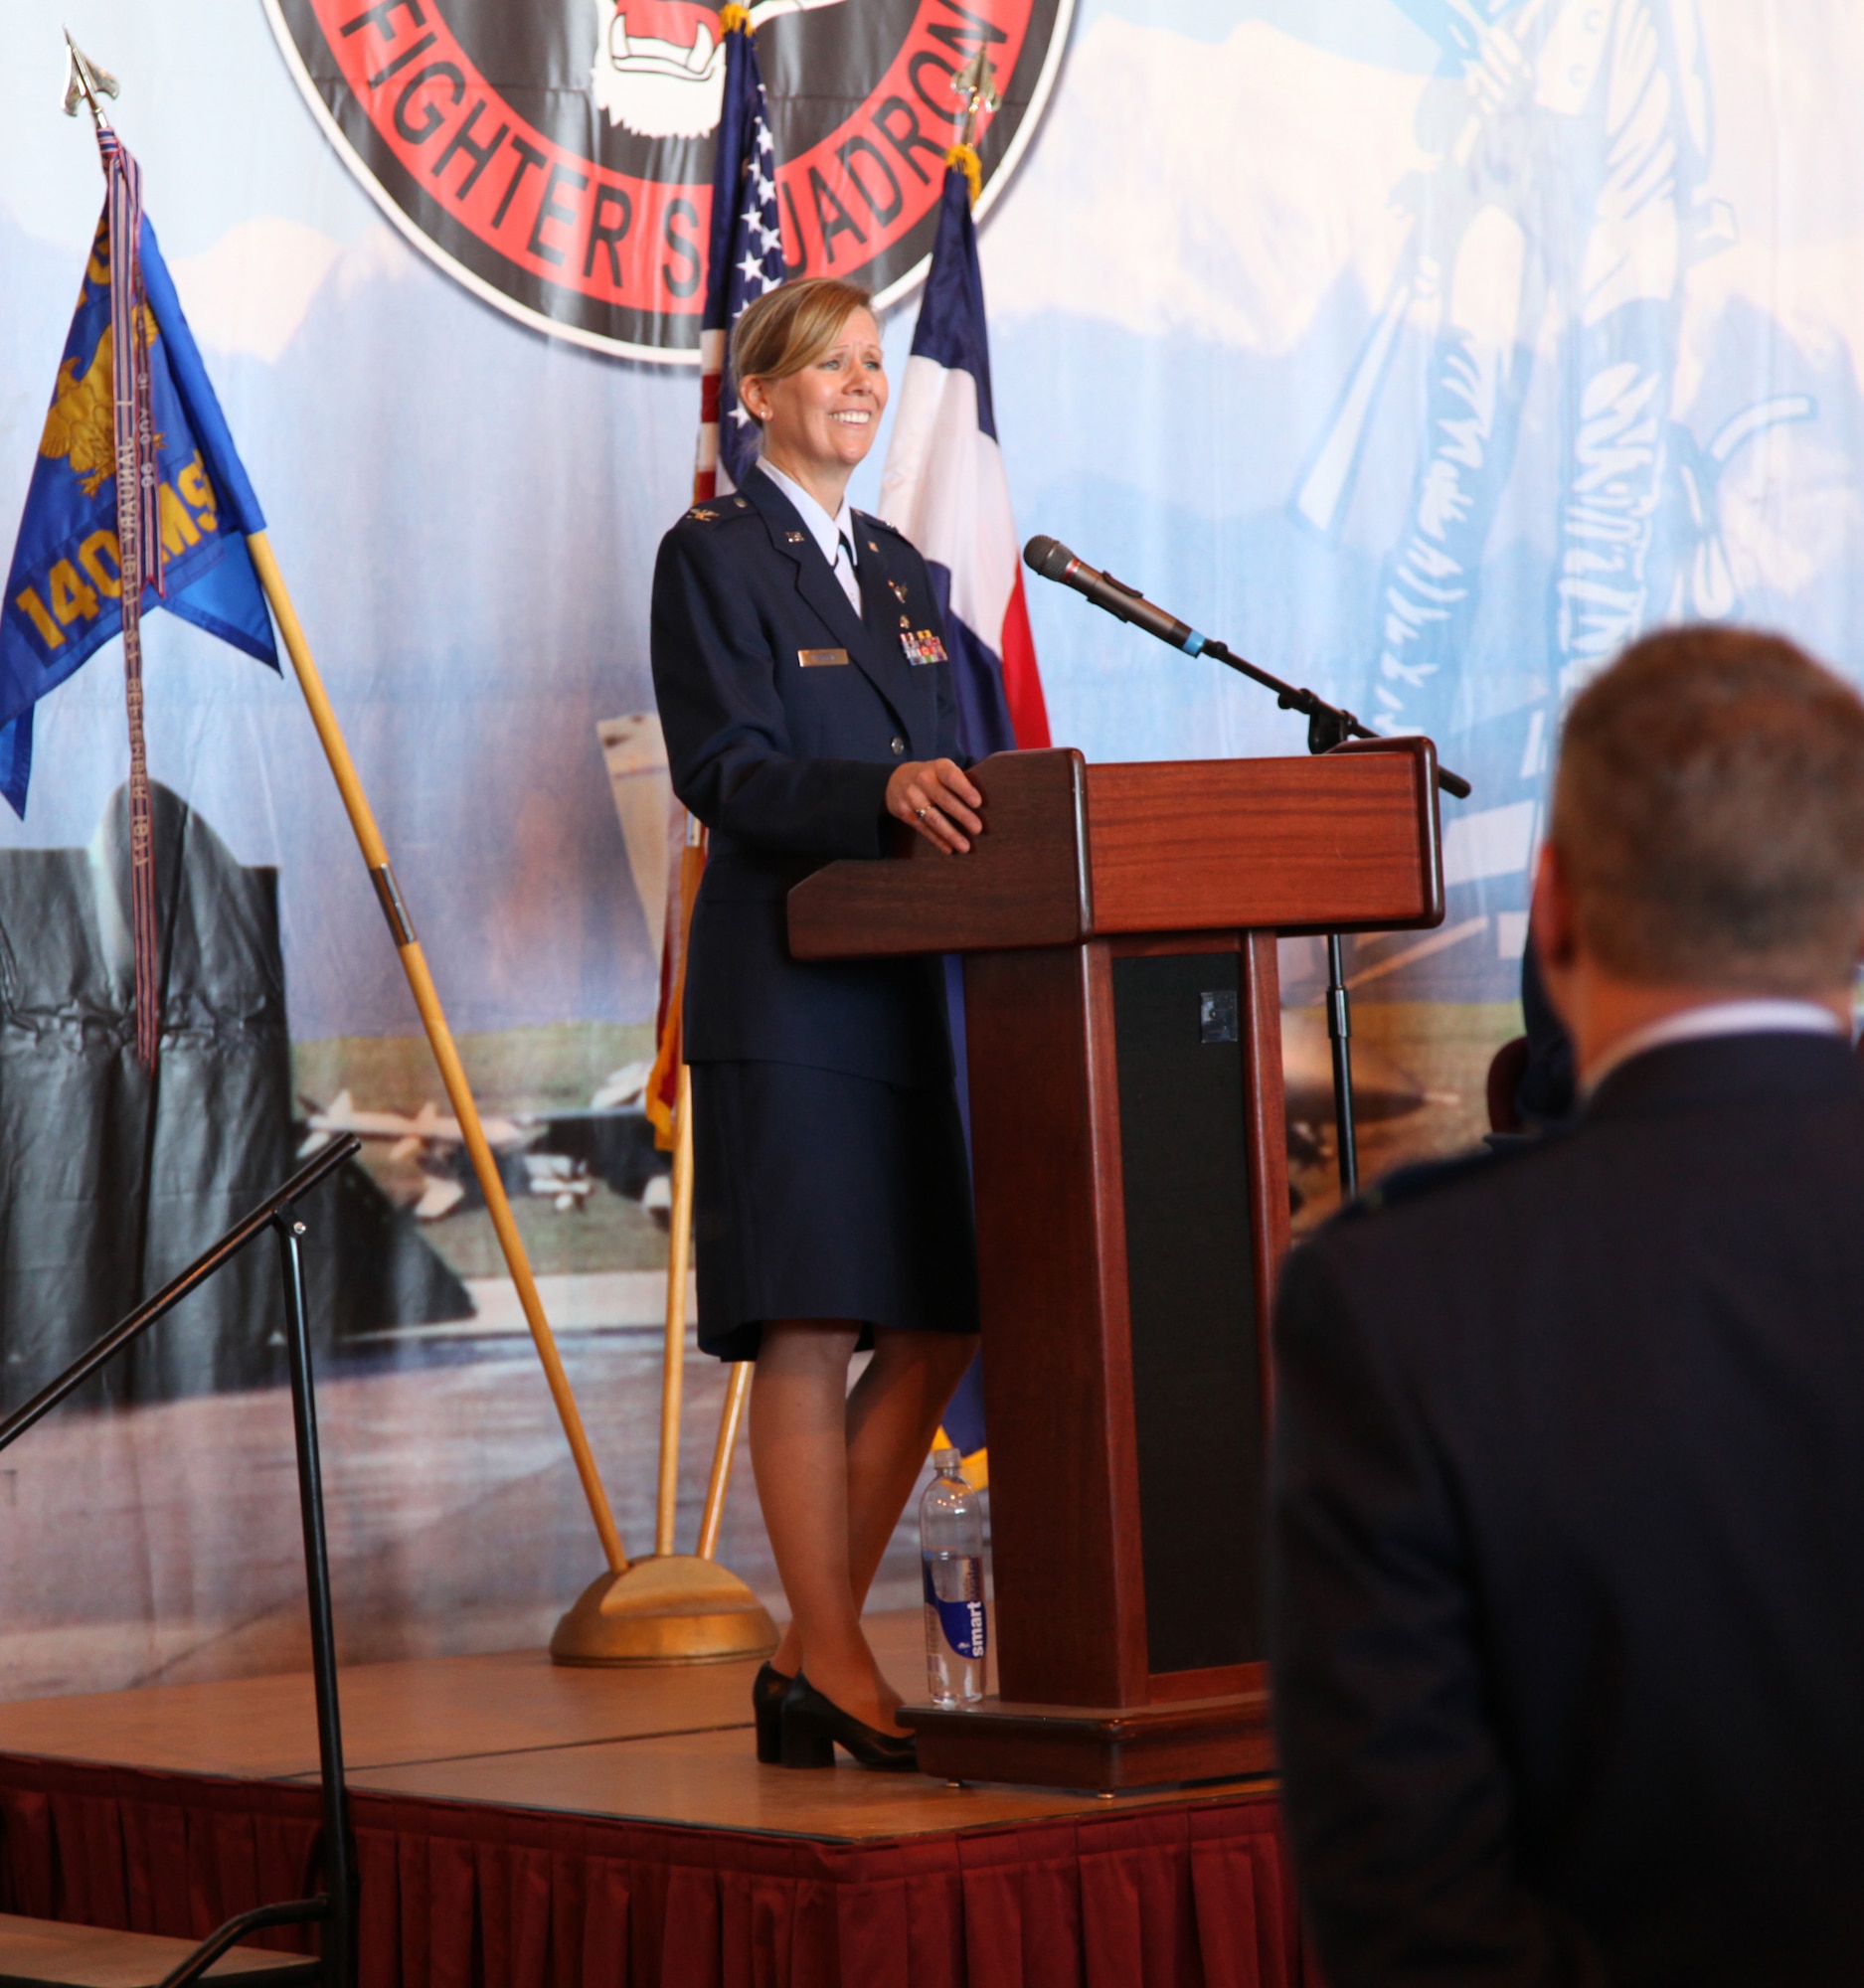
x=744 y=259
x=944 y=487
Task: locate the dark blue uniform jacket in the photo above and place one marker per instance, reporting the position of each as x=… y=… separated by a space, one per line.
x=788 y=765
x=1569 y=1575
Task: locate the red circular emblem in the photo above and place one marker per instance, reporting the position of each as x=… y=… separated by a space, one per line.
x=557 y=158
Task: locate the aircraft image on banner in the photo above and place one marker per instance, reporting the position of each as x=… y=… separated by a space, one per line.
x=556 y=1156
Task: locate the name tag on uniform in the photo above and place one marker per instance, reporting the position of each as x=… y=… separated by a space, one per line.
x=821 y=659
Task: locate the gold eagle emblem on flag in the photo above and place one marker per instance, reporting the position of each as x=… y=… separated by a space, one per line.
x=81 y=424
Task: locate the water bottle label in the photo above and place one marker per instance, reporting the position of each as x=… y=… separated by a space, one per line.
x=962 y=1621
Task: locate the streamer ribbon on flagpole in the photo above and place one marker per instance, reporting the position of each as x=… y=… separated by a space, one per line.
x=139 y=535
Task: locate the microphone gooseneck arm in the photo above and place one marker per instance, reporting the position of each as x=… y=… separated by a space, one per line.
x=1327 y=725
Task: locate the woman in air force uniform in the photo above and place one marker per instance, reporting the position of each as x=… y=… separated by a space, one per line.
x=799 y=665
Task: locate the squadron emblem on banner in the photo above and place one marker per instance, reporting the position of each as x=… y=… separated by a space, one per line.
x=557 y=158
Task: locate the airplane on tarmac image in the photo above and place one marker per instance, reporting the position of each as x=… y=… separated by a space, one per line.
x=556 y=1156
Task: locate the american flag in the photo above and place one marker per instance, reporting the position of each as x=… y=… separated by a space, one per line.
x=745 y=258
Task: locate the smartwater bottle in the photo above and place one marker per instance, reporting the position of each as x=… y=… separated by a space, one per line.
x=951 y=1550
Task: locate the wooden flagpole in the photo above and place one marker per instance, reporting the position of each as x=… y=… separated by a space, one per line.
x=680 y=1225
x=439 y=1038
x=673 y=1371
x=730 y=1417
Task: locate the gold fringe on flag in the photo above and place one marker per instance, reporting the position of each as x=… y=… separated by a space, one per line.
x=966 y=158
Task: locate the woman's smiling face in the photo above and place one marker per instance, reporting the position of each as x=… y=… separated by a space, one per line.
x=820 y=422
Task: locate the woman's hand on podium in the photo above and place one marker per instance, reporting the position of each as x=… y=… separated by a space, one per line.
x=935 y=797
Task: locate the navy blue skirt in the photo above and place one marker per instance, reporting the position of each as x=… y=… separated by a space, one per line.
x=819 y=1194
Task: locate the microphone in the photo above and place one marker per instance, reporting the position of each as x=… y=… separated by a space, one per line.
x=1053 y=560
x=1327 y=725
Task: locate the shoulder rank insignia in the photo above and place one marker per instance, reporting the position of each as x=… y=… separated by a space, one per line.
x=922 y=646
x=701 y=514
x=898 y=589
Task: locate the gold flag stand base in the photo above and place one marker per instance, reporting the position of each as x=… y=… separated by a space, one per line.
x=669 y=1608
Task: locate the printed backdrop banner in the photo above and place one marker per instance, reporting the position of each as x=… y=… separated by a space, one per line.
x=1424 y=352
x=557 y=159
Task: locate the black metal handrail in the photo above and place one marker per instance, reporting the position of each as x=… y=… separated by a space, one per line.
x=171 y=1294
x=335 y=1908
x=299 y=1912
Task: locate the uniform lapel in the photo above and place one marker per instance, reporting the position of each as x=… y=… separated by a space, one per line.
x=817 y=584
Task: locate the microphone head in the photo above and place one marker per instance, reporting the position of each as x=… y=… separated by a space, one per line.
x=1047 y=557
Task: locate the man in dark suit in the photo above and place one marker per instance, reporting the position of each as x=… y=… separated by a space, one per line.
x=1567 y=1589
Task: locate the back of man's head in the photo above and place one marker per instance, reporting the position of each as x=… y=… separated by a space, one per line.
x=1708 y=815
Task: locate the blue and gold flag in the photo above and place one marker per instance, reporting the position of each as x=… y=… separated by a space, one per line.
x=138 y=500
x=63 y=595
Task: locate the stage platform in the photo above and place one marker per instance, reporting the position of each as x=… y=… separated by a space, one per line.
x=525 y=1826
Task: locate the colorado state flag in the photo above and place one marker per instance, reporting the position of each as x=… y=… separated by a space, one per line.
x=63 y=595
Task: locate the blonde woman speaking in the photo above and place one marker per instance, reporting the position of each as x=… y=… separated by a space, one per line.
x=799 y=665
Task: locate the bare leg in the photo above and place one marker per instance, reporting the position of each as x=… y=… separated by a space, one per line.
x=800 y=1454
x=834 y=1471
x=892 y=1414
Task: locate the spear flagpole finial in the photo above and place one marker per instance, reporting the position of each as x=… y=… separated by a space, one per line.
x=975 y=88
x=86 y=82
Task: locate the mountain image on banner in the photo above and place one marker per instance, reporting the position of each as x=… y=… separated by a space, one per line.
x=64 y=594
x=944 y=487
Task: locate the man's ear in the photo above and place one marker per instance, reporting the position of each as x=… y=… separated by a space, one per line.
x=1554 y=916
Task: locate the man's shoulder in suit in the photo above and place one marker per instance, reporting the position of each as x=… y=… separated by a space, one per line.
x=1423 y=1177
x=1716 y=1140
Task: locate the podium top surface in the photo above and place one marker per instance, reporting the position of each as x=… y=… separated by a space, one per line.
x=1348 y=841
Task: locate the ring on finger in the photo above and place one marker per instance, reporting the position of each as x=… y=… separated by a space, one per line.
x=921 y=813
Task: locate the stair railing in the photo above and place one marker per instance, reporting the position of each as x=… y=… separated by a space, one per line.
x=334 y=1909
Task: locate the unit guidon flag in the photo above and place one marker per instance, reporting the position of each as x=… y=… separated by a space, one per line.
x=556 y=157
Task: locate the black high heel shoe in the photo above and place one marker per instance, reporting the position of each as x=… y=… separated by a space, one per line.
x=767 y=1705
x=814 y=1726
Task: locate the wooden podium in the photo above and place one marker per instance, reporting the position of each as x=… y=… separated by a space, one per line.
x=1123 y=1015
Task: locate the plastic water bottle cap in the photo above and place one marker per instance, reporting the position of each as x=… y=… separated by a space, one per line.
x=948 y=1462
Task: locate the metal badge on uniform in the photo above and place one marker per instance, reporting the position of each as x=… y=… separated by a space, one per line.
x=922 y=646
x=821 y=659
x=898 y=588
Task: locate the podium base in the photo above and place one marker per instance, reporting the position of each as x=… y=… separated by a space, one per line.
x=672 y=1609
x=1107 y=1749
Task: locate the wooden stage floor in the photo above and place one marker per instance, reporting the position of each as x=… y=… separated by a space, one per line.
x=517 y=1732
x=523 y=1826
